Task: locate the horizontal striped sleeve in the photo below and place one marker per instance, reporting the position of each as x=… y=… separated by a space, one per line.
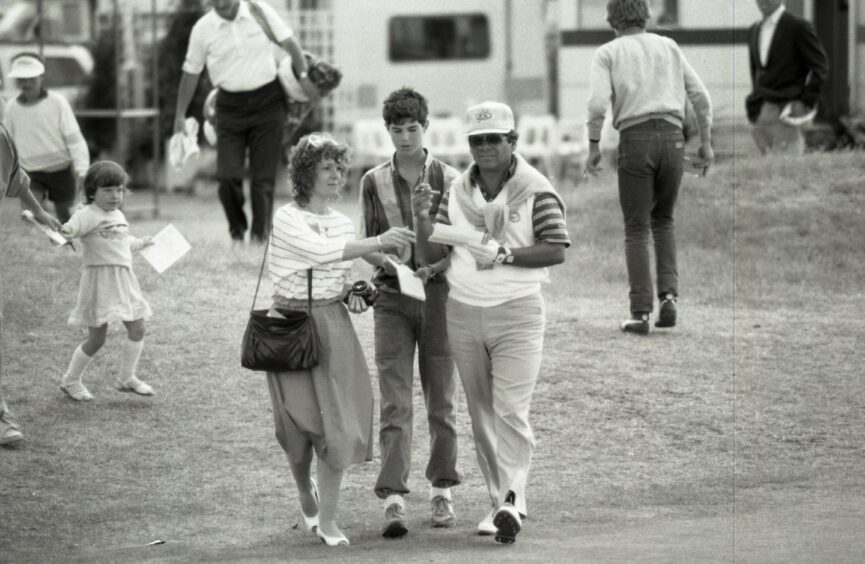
x=548 y=220
x=442 y=214
x=293 y=236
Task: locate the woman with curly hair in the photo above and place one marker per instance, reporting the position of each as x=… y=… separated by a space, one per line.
x=649 y=82
x=325 y=411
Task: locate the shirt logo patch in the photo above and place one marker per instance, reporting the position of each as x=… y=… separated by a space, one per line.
x=483 y=115
x=514 y=217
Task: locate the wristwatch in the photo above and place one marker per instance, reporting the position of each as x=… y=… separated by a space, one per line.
x=504 y=256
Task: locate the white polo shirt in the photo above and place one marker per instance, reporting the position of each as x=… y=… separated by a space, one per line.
x=237 y=53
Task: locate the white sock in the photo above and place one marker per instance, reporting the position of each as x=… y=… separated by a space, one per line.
x=79 y=362
x=129 y=359
x=435 y=492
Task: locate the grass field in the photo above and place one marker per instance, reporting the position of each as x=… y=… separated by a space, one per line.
x=738 y=436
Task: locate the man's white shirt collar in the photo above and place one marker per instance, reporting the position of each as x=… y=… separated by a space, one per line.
x=773 y=18
x=242 y=12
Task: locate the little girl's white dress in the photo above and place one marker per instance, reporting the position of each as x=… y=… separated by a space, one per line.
x=109 y=290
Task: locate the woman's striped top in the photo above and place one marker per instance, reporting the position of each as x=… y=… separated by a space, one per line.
x=301 y=240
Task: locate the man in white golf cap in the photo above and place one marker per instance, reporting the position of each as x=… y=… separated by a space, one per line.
x=14 y=182
x=495 y=311
x=49 y=140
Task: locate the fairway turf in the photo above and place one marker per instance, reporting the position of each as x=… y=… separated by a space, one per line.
x=735 y=436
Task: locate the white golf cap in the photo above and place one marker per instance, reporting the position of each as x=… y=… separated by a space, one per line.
x=489 y=117
x=26 y=66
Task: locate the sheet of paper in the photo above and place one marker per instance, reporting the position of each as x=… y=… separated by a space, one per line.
x=450 y=235
x=55 y=237
x=168 y=246
x=409 y=284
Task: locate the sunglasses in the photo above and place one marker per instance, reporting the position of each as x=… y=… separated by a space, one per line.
x=489 y=138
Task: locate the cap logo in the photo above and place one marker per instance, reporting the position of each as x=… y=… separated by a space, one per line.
x=482 y=115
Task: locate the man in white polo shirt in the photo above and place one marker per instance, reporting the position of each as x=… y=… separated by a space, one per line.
x=495 y=312
x=232 y=43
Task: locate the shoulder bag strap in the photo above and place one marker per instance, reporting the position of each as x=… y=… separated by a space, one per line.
x=259 y=16
x=261 y=272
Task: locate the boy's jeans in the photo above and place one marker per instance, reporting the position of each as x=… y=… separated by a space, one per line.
x=650 y=172
x=401 y=323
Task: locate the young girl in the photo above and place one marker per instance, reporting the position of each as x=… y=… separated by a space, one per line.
x=109 y=290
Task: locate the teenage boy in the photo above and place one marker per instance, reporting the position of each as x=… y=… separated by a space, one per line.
x=52 y=149
x=403 y=323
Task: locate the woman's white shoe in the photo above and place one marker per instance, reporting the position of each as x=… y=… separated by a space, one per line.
x=332 y=541
x=311 y=522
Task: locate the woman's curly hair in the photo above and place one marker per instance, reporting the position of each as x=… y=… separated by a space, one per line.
x=622 y=14
x=304 y=158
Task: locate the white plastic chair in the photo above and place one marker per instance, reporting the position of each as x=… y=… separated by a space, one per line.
x=539 y=141
x=572 y=150
x=446 y=141
x=371 y=143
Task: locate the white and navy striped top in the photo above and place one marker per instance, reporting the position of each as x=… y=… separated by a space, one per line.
x=301 y=240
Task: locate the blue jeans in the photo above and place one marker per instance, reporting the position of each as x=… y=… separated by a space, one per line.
x=650 y=172
x=401 y=323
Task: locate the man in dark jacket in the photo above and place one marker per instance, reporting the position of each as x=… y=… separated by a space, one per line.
x=788 y=69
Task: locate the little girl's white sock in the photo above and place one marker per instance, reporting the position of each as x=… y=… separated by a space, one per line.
x=129 y=359
x=79 y=362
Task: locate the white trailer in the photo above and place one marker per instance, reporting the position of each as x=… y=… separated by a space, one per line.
x=455 y=52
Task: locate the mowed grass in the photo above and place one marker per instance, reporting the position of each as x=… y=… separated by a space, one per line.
x=736 y=436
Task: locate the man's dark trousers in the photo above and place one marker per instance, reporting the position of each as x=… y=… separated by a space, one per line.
x=251 y=120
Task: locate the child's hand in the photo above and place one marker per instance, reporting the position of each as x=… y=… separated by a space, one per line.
x=147 y=242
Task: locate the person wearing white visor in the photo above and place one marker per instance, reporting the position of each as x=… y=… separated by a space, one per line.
x=495 y=311
x=52 y=149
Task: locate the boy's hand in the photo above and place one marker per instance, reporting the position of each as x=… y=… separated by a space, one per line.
x=388 y=267
x=421 y=199
x=148 y=241
x=424 y=272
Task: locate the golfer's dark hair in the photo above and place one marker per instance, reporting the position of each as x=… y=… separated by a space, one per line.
x=404 y=104
x=304 y=158
x=103 y=173
x=622 y=14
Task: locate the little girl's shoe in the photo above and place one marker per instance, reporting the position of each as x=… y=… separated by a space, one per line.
x=135 y=386
x=76 y=391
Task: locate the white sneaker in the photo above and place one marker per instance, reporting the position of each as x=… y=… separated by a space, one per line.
x=486 y=528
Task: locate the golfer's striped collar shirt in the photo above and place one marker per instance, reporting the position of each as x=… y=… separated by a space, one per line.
x=237 y=53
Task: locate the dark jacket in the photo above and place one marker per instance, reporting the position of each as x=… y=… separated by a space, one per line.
x=796 y=67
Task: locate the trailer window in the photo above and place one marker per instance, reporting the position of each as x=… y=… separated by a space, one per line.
x=431 y=38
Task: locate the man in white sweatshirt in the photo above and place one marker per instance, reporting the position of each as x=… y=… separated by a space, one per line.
x=51 y=147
